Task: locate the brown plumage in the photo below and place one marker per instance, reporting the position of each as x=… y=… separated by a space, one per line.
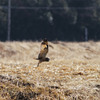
x=43 y=52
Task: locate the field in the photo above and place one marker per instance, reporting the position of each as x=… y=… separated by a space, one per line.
x=73 y=72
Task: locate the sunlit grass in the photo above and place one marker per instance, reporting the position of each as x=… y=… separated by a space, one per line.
x=73 y=72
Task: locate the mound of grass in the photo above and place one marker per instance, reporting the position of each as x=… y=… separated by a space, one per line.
x=73 y=72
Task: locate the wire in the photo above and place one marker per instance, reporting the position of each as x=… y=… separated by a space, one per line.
x=4 y=7
x=50 y=8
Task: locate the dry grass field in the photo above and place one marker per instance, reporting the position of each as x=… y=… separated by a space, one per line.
x=73 y=72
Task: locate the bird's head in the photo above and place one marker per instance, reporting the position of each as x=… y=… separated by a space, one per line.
x=45 y=41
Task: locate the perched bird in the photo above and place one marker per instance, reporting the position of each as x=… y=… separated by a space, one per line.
x=43 y=52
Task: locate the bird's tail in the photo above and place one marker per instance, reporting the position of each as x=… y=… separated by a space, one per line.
x=39 y=63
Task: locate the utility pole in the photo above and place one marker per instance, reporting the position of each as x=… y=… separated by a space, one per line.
x=9 y=20
x=86 y=34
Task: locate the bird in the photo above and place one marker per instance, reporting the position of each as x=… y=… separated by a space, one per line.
x=43 y=51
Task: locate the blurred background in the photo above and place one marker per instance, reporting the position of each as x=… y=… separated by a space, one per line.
x=66 y=20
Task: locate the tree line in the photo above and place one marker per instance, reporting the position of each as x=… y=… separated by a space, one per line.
x=54 y=19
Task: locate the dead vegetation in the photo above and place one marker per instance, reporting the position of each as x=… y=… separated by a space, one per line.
x=73 y=72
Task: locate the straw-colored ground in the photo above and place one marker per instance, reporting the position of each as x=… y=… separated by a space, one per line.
x=73 y=72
